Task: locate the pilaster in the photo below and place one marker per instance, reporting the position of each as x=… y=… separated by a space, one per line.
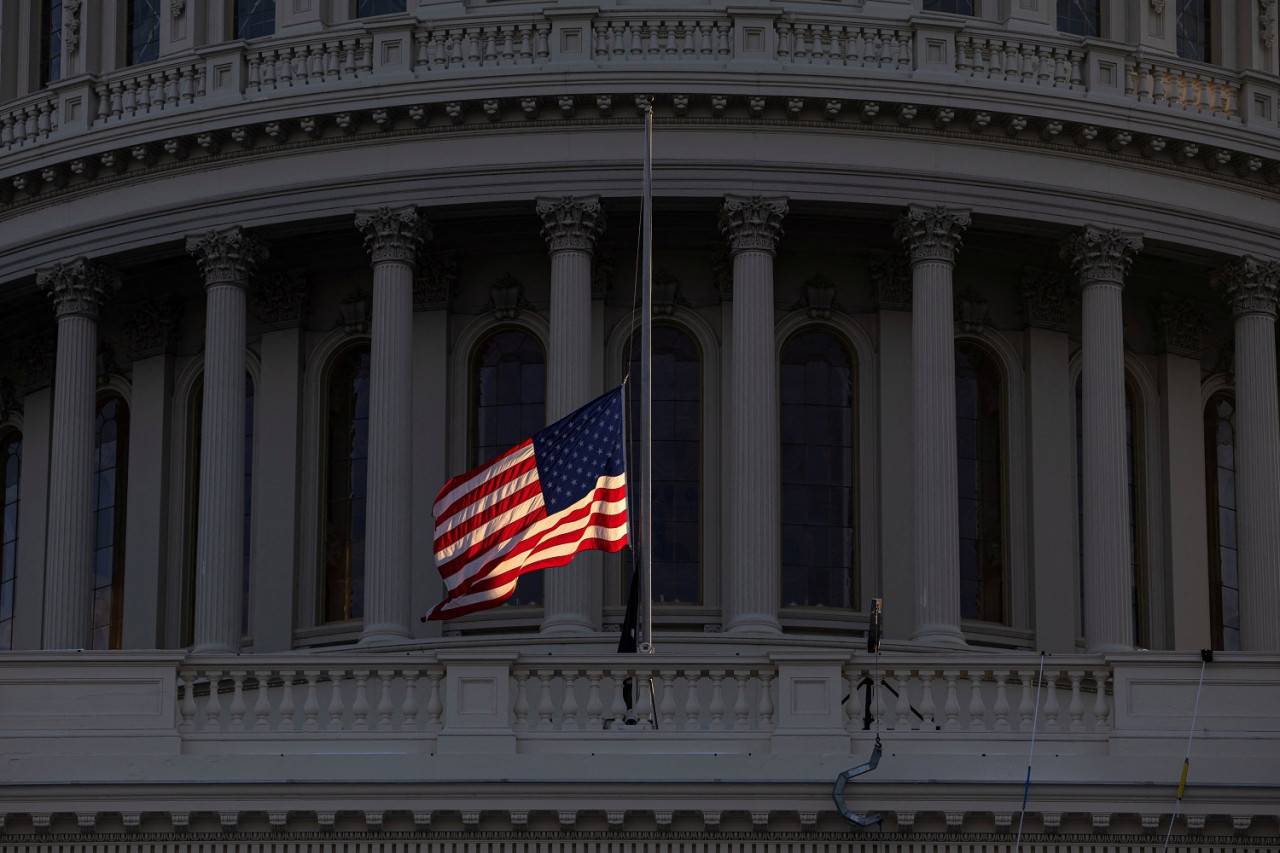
x=392 y=237
x=1101 y=258
x=752 y=226
x=932 y=237
x=78 y=289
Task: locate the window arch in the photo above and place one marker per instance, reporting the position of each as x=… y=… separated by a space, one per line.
x=818 y=471
x=346 y=457
x=111 y=462
x=10 y=477
x=1220 y=482
x=676 y=552
x=509 y=392
x=980 y=452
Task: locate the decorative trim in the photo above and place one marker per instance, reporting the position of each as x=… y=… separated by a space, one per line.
x=931 y=233
x=1267 y=22
x=506 y=297
x=891 y=277
x=436 y=281
x=571 y=224
x=283 y=298
x=71 y=25
x=354 y=312
x=393 y=234
x=152 y=327
x=817 y=297
x=1101 y=254
x=1180 y=323
x=227 y=255
x=666 y=293
x=970 y=310
x=752 y=223
x=177 y=8
x=78 y=288
x=1047 y=298
x=1249 y=285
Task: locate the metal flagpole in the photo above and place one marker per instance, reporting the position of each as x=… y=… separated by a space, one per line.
x=645 y=566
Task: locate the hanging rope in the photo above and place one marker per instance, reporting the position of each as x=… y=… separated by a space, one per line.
x=1206 y=655
x=1026 y=787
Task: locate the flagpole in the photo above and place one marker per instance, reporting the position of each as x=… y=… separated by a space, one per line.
x=645 y=565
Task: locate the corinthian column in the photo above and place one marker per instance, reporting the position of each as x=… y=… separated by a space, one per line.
x=78 y=289
x=570 y=227
x=392 y=237
x=932 y=237
x=1250 y=287
x=1101 y=258
x=751 y=584
x=226 y=257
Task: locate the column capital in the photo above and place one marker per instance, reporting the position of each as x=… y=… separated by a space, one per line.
x=752 y=223
x=393 y=233
x=931 y=233
x=78 y=287
x=571 y=224
x=226 y=255
x=1249 y=285
x=1101 y=254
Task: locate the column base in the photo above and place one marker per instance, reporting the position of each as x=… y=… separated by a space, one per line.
x=754 y=625
x=562 y=626
x=939 y=637
x=384 y=635
x=214 y=649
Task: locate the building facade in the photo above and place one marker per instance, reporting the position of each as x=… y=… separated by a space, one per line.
x=963 y=306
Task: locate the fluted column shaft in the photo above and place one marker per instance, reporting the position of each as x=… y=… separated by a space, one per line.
x=570 y=227
x=78 y=289
x=751 y=585
x=227 y=257
x=1251 y=288
x=932 y=237
x=392 y=238
x=1101 y=258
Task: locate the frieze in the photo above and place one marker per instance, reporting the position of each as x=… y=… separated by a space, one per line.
x=1249 y=285
x=227 y=255
x=393 y=234
x=571 y=224
x=931 y=233
x=1180 y=324
x=283 y=298
x=1101 y=254
x=78 y=287
x=752 y=224
x=1047 y=298
x=152 y=328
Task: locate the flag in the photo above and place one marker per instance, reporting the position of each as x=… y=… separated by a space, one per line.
x=534 y=507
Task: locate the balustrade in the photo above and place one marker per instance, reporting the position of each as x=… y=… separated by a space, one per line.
x=443 y=48
x=284 y=66
x=1194 y=89
x=28 y=123
x=845 y=45
x=140 y=93
x=1019 y=61
x=662 y=40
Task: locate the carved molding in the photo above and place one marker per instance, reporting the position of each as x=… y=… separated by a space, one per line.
x=436 y=281
x=1157 y=6
x=666 y=293
x=283 y=298
x=1249 y=285
x=931 y=233
x=354 y=312
x=1101 y=254
x=1267 y=22
x=752 y=224
x=71 y=25
x=891 y=277
x=78 y=287
x=177 y=8
x=10 y=400
x=152 y=328
x=603 y=263
x=36 y=357
x=506 y=297
x=722 y=269
x=1047 y=298
x=393 y=234
x=817 y=297
x=227 y=255
x=1180 y=323
x=970 y=308
x=571 y=224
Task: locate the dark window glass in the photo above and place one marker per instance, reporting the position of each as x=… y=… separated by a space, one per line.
x=1079 y=17
x=1193 y=23
x=50 y=41
x=10 y=475
x=254 y=18
x=819 y=540
x=509 y=405
x=1133 y=455
x=143 y=36
x=980 y=476
x=1220 y=479
x=366 y=8
x=111 y=462
x=346 y=467
x=676 y=552
x=956 y=7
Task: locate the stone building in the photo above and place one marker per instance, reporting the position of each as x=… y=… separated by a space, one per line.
x=967 y=306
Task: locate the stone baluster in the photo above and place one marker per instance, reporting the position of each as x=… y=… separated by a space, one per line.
x=570 y=227
x=78 y=289
x=932 y=237
x=226 y=257
x=1101 y=258
x=752 y=227
x=1250 y=286
x=392 y=238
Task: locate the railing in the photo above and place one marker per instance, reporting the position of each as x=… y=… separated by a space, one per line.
x=135 y=94
x=680 y=40
x=1183 y=87
x=445 y=48
x=814 y=43
x=1019 y=61
x=282 y=67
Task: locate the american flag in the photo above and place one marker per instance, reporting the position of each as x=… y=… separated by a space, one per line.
x=534 y=507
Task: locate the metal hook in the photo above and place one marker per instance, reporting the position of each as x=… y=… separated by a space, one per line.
x=837 y=793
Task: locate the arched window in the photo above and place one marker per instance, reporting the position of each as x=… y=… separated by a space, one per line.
x=193 y=504
x=111 y=462
x=676 y=551
x=1080 y=17
x=1194 y=33
x=509 y=387
x=1134 y=478
x=142 y=39
x=10 y=476
x=1220 y=482
x=980 y=476
x=254 y=18
x=818 y=462
x=345 y=476
x=50 y=41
